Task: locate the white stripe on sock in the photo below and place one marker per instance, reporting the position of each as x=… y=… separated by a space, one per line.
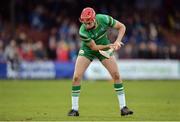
x=119 y=88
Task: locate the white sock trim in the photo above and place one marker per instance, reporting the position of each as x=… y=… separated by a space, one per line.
x=122 y=100
x=75 y=103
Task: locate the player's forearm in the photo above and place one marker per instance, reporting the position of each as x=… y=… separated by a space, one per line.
x=122 y=30
x=100 y=47
x=96 y=47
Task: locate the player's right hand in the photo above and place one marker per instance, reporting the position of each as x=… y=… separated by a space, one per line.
x=112 y=46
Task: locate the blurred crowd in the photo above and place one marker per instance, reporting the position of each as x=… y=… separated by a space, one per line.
x=48 y=29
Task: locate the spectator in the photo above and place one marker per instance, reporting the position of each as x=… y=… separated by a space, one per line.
x=36 y=18
x=152 y=51
x=150 y=29
x=72 y=52
x=39 y=51
x=62 y=51
x=12 y=56
x=26 y=51
x=173 y=52
x=142 y=51
x=64 y=29
x=2 y=56
x=51 y=50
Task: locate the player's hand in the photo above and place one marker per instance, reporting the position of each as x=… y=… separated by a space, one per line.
x=112 y=46
x=118 y=45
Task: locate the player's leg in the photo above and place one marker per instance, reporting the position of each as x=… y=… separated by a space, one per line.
x=81 y=65
x=112 y=67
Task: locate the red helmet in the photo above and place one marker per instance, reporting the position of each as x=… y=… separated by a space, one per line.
x=87 y=14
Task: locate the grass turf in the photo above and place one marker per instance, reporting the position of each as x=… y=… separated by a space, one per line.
x=51 y=100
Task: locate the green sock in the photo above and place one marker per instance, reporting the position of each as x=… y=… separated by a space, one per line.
x=121 y=95
x=75 y=97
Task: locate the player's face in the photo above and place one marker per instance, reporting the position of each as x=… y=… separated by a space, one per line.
x=89 y=25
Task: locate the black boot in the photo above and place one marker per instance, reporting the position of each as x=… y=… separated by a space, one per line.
x=73 y=113
x=125 y=111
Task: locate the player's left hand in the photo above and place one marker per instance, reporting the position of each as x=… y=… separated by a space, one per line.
x=118 y=45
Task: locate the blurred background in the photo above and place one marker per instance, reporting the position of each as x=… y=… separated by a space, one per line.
x=39 y=38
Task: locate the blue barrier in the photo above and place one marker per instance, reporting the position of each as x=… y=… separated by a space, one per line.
x=48 y=69
x=38 y=70
x=64 y=69
x=3 y=70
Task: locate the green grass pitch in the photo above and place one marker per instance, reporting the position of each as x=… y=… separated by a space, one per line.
x=51 y=100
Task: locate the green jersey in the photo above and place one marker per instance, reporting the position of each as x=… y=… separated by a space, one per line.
x=99 y=34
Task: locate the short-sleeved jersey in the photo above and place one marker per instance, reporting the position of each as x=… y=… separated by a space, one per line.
x=99 y=34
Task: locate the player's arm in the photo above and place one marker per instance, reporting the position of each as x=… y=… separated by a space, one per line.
x=121 y=28
x=90 y=42
x=109 y=21
x=93 y=46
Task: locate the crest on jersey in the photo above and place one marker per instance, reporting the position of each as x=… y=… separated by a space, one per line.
x=81 y=52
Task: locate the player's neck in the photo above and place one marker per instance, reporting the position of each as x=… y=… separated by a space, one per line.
x=94 y=27
x=96 y=24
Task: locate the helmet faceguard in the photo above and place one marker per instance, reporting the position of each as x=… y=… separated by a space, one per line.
x=87 y=15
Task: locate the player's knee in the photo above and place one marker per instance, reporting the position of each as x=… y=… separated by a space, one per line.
x=116 y=76
x=76 y=78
